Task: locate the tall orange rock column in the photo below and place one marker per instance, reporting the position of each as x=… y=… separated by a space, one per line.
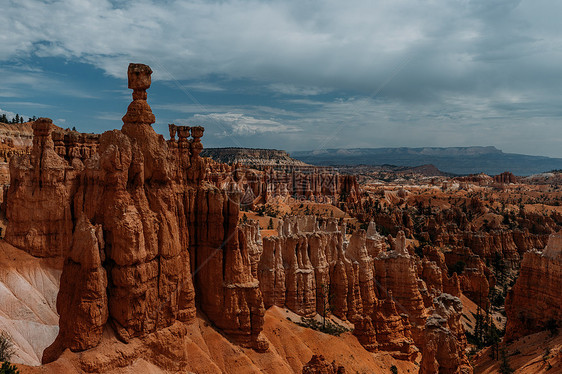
x=44 y=180
x=128 y=194
x=226 y=289
x=82 y=299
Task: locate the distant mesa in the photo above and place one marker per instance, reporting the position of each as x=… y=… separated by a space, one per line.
x=456 y=160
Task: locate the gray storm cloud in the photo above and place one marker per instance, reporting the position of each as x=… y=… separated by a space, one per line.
x=445 y=72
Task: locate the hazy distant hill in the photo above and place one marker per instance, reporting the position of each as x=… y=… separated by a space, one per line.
x=457 y=160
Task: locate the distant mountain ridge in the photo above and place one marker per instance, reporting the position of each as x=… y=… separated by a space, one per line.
x=456 y=160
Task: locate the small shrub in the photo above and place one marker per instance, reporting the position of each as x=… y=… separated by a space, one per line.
x=7 y=368
x=394 y=369
x=328 y=327
x=546 y=354
x=6 y=347
x=505 y=367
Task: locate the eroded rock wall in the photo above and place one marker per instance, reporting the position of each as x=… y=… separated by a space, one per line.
x=141 y=232
x=535 y=300
x=311 y=265
x=146 y=237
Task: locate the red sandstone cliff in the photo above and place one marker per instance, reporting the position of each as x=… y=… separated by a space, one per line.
x=535 y=298
x=383 y=296
x=136 y=223
x=146 y=238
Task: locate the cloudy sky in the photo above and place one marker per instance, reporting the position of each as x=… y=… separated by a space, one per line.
x=296 y=75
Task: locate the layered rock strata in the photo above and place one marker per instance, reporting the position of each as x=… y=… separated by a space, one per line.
x=141 y=232
x=282 y=183
x=41 y=179
x=534 y=303
x=444 y=339
x=312 y=268
x=146 y=237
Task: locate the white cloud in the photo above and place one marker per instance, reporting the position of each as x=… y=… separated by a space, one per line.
x=330 y=44
x=9 y=115
x=241 y=125
x=291 y=89
x=441 y=72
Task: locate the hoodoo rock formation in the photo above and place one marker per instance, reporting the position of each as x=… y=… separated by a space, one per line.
x=284 y=182
x=152 y=242
x=444 y=339
x=42 y=179
x=310 y=267
x=534 y=301
x=141 y=232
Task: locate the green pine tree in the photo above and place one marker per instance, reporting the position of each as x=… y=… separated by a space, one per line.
x=505 y=368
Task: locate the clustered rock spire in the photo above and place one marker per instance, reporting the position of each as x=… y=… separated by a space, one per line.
x=133 y=221
x=146 y=237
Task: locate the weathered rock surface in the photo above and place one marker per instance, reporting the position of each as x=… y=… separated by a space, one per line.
x=252 y=157
x=149 y=233
x=396 y=271
x=505 y=177
x=141 y=232
x=535 y=298
x=319 y=365
x=82 y=299
x=381 y=296
x=444 y=340
x=28 y=294
x=282 y=182
x=45 y=180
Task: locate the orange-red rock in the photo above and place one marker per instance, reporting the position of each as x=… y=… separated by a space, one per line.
x=42 y=179
x=444 y=341
x=157 y=223
x=535 y=298
x=319 y=365
x=82 y=299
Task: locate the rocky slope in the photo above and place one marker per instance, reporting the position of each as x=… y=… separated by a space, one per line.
x=200 y=348
x=538 y=353
x=28 y=292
